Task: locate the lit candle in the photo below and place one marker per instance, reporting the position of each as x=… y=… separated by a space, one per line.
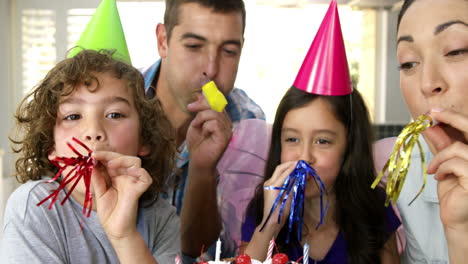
x=218 y=250
x=305 y=260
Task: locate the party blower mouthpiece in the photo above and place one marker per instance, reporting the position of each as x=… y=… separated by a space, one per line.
x=215 y=98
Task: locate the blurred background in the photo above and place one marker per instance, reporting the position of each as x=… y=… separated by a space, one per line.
x=35 y=34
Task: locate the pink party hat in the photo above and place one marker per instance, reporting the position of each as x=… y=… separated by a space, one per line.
x=325 y=67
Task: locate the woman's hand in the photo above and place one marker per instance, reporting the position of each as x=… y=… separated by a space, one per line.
x=450 y=165
x=118 y=182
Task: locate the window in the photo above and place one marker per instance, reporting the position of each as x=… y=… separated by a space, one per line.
x=37 y=44
x=276 y=41
x=77 y=19
x=43 y=28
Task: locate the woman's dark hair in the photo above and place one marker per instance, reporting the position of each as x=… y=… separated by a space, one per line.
x=37 y=114
x=359 y=209
x=404 y=7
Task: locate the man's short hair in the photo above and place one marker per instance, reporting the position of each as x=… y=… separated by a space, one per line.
x=171 y=15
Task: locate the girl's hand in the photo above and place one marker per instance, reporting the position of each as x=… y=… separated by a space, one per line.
x=258 y=246
x=450 y=166
x=278 y=178
x=118 y=182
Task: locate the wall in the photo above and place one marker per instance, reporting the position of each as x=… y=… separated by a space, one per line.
x=396 y=107
x=390 y=107
x=7 y=101
x=6 y=104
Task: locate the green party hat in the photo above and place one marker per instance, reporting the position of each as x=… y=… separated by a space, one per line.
x=104 y=31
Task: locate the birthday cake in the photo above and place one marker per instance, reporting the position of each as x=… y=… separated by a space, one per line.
x=279 y=258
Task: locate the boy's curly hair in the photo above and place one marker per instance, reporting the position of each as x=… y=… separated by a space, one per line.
x=36 y=117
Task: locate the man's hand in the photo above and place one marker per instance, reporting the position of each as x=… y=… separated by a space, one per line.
x=208 y=134
x=207 y=138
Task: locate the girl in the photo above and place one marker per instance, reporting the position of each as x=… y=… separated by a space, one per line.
x=335 y=139
x=99 y=101
x=432 y=50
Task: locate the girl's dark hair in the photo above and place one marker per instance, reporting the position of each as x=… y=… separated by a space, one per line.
x=37 y=113
x=359 y=209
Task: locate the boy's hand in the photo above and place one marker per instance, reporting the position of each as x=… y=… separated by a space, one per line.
x=118 y=182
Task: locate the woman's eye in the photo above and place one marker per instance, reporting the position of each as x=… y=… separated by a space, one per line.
x=457 y=52
x=115 y=115
x=72 y=117
x=407 y=65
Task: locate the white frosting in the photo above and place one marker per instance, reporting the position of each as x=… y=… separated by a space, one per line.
x=254 y=261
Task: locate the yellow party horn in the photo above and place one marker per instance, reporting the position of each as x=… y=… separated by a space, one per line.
x=398 y=163
x=215 y=98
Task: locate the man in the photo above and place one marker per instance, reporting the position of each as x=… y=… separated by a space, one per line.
x=200 y=40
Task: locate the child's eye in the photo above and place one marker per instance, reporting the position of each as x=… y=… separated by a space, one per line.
x=407 y=65
x=291 y=139
x=322 y=141
x=72 y=117
x=114 y=115
x=456 y=52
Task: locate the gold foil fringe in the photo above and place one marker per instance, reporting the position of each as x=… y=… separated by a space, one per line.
x=397 y=165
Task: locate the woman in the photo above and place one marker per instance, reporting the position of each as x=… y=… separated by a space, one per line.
x=432 y=50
